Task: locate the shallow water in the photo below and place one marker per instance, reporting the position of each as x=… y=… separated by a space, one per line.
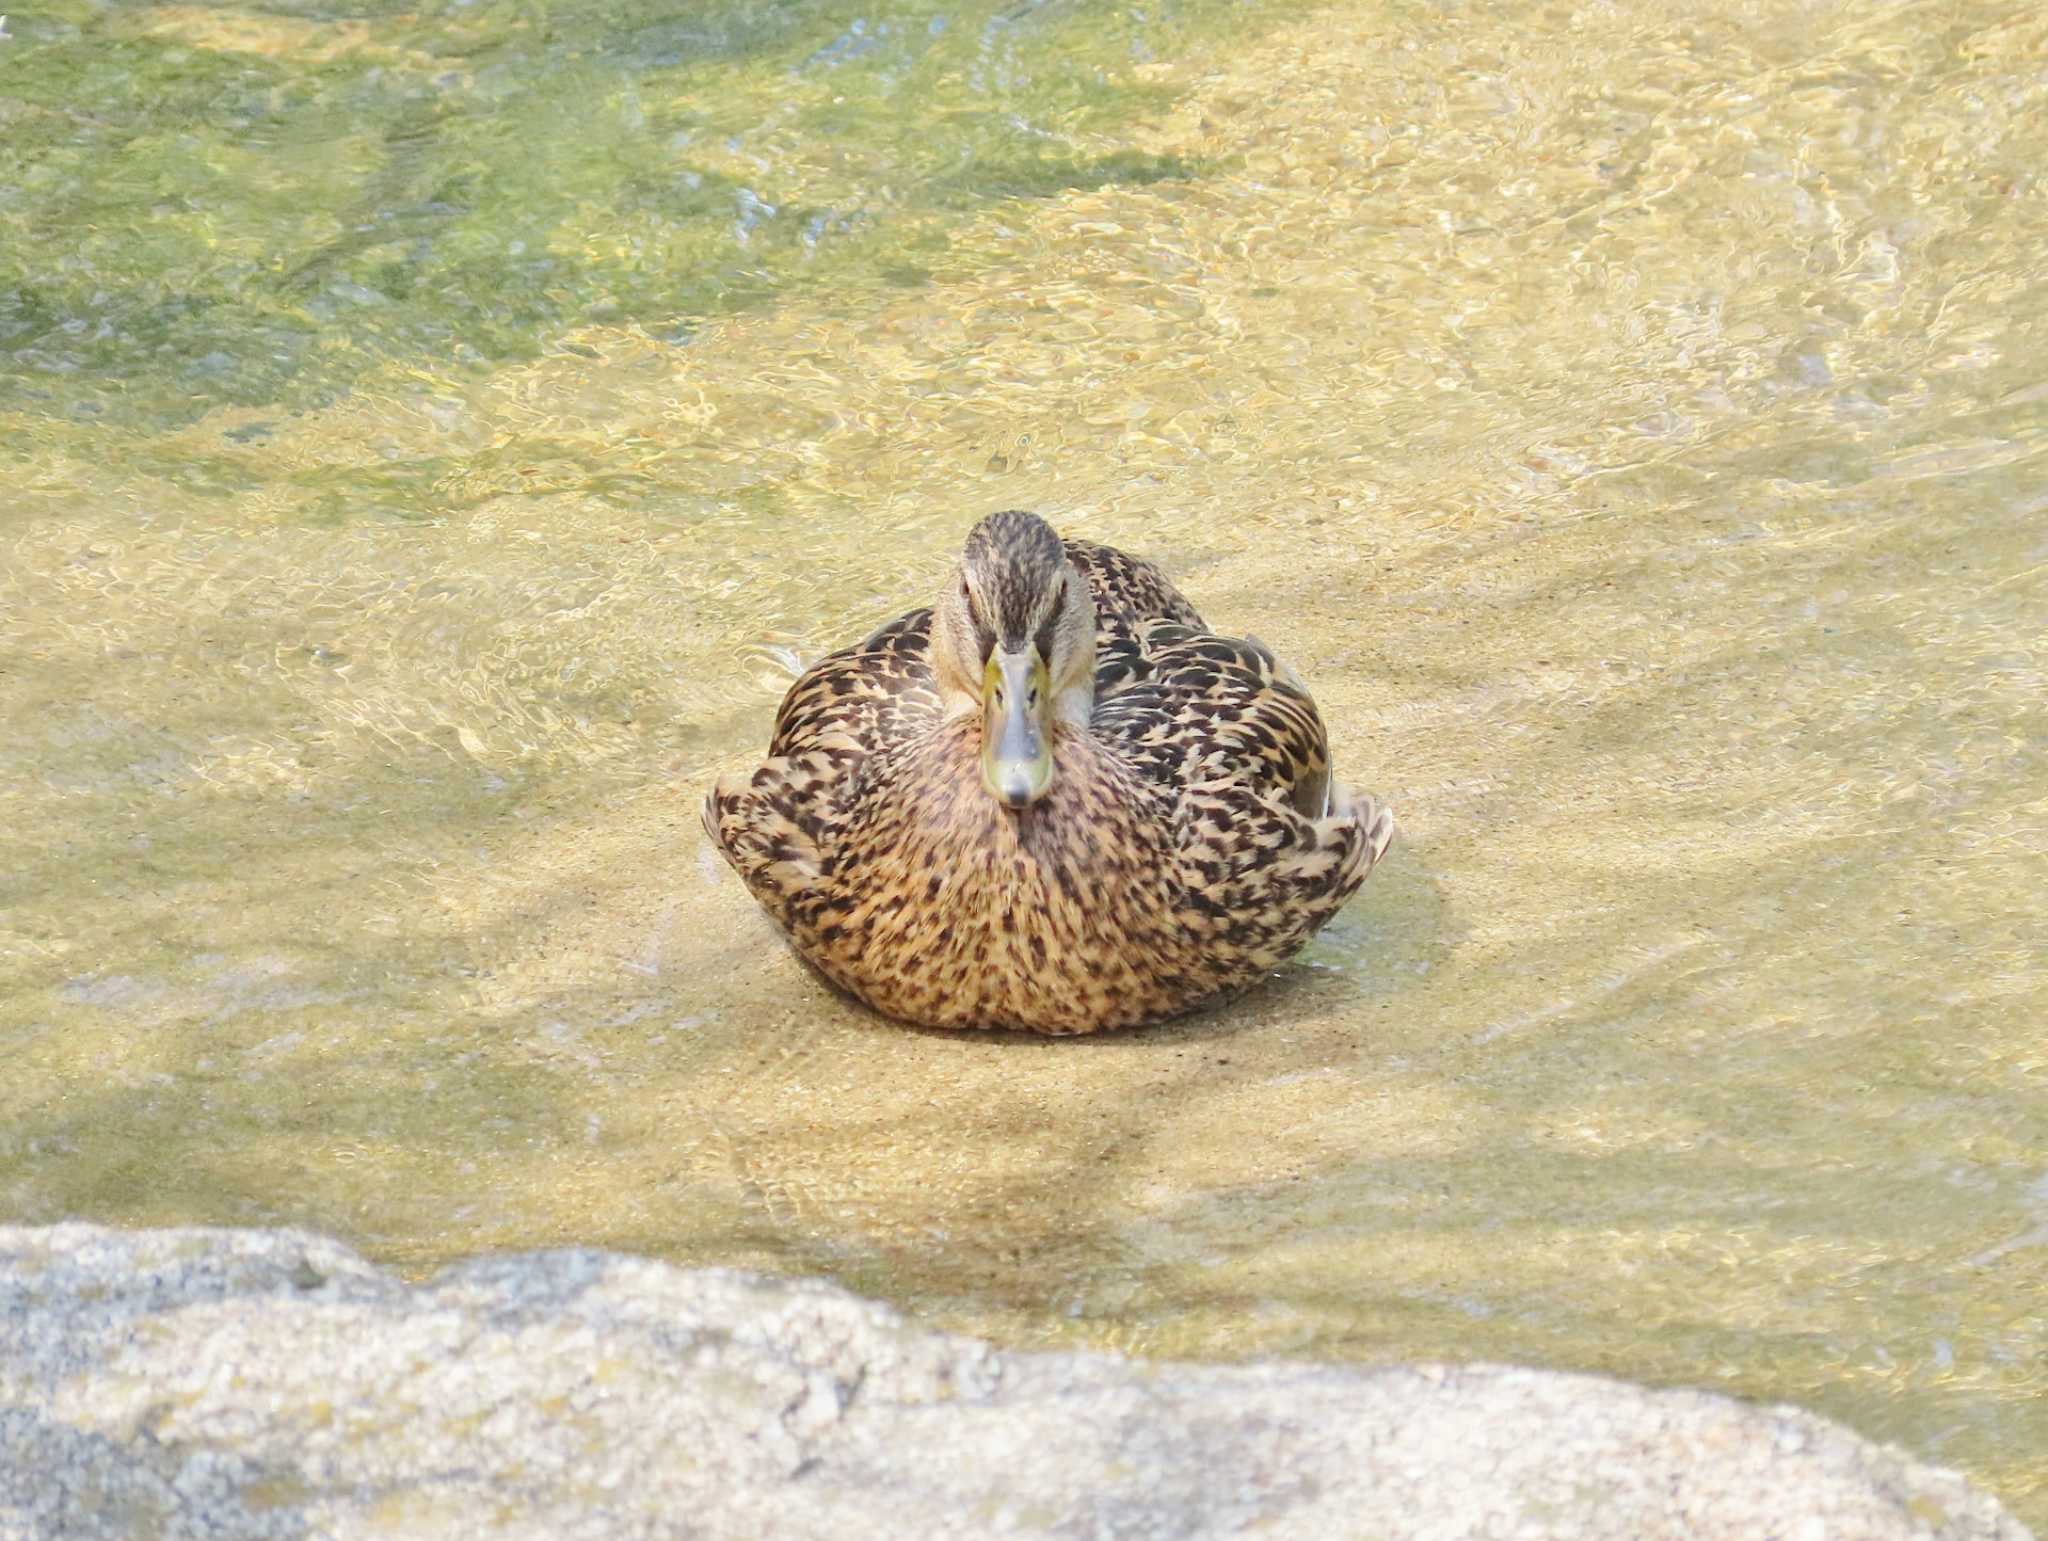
x=1629 y=419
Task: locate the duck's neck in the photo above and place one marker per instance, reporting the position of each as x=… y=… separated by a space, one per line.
x=1074 y=707
x=1074 y=702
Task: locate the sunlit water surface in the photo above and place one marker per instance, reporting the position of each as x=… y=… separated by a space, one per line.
x=1629 y=418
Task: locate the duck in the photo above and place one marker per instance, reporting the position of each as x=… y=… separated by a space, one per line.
x=1053 y=800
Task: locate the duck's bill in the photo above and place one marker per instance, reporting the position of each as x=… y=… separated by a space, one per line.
x=1016 y=741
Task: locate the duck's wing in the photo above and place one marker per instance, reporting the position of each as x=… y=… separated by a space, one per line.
x=1130 y=593
x=777 y=824
x=1202 y=710
x=1258 y=879
x=1267 y=847
x=864 y=697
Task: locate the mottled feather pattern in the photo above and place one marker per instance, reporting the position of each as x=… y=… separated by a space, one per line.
x=1204 y=708
x=878 y=692
x=1191 y=840
x=1130 y=593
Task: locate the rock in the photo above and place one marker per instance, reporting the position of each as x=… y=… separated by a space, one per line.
x=190 y=1383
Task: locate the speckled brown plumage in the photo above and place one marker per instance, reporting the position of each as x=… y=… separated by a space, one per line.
x=1190 y=841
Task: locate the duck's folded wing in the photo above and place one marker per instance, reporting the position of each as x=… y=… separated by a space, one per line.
x=1258 y=879
x=1130 y=593
x=1210 y=710
x=863 y=698
x=772 y=826
x=777 y=825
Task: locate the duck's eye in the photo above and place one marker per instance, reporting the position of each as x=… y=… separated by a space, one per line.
x=1046 y=630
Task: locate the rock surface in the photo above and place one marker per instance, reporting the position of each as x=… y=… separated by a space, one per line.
x=191 y=1383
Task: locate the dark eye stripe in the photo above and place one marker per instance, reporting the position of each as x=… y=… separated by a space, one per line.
x=1046 y=628
x=984 y=634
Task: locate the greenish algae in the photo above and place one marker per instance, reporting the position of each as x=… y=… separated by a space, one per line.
x=213 y=207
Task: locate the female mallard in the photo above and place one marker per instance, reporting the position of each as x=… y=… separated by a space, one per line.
x=1054 y=800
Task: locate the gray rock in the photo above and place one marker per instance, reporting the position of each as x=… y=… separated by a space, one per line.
x=191 y=1383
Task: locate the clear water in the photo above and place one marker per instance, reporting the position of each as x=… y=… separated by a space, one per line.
x=433 y=436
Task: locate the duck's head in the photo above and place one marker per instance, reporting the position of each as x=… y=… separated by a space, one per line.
x=1014 y=635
